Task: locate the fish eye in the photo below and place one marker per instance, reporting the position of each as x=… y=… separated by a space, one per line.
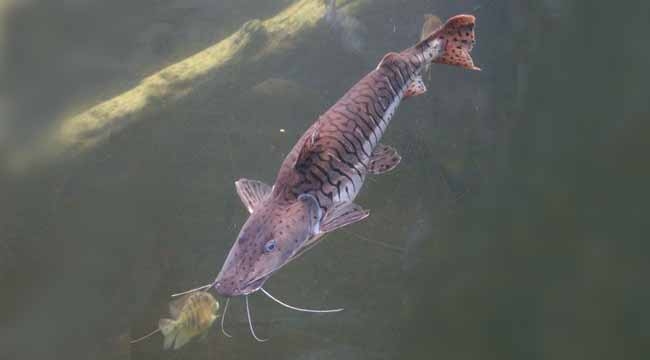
x=269 y=246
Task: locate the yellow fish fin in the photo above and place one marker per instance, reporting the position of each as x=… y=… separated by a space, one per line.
x=182 y=338
x=168 y=329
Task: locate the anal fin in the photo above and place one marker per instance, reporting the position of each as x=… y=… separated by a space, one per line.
x=182 y=338
x=169 y=330
x=176 y=306
x=415 y=88
x=384 y=159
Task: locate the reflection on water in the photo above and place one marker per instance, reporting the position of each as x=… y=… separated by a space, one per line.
x=513 y=228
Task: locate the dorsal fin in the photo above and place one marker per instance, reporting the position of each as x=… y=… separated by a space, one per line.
x=176 y=306
x=389 y=58
x=252 y=192
x=308 y=146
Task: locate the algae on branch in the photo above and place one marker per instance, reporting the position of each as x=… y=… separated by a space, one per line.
x=253 y=43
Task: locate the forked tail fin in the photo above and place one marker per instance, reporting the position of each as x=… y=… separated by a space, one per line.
x=451 y=43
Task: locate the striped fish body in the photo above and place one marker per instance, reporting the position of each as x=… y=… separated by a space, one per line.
x=333 y=157
x=319 y=179
x=197 y=313
x=331 y=160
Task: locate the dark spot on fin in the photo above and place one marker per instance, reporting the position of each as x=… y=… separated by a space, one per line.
x=415 y=87
x=452 y=42
x=383 y=159
x=457 y=36
x=251 y=192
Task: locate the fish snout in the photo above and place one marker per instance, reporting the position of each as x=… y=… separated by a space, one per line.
x=227 y=287
x=230 y=287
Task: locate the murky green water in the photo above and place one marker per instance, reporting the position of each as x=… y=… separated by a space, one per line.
x=514 y=228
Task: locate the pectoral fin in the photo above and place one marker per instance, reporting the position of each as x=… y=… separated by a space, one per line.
x=252 y=192
x=383 y=159
x=341 y=215
x=338 y=216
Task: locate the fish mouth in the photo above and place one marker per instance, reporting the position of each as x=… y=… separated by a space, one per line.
x=253 y=285
x=247 y=288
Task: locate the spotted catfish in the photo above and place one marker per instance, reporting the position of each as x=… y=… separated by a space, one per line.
x=318 y=181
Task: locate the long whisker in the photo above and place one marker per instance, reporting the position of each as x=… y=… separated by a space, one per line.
x=377 y=242
x=144 y=337
x=223 y=317
x=192 y=290
x=297 y=308
x=250 y=322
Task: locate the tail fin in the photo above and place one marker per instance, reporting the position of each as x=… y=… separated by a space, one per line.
x=168 y=329
x=451 y=43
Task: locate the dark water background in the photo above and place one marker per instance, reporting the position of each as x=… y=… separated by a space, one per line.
x=514 y=228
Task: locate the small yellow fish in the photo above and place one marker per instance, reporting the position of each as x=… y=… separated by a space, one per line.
x=193 y=314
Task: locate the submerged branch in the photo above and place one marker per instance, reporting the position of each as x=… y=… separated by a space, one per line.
x=253 y=43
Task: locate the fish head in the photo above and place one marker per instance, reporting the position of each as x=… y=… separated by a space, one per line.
x=268 y=240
